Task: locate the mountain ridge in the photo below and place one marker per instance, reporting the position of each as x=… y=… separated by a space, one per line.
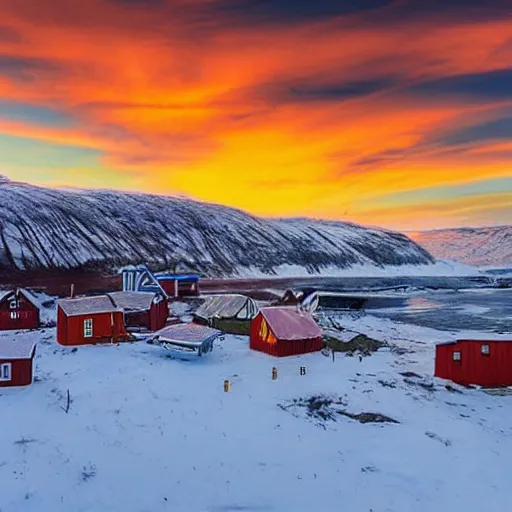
x=49 y=228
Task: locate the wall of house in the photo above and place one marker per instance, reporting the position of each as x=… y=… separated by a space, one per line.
x=158 y=315
x=27 y=315
x=103 y=330
x=21 y=372
x=492 y=370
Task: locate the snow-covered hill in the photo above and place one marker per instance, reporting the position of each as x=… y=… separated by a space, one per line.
x=57 y=228
x=489 y=247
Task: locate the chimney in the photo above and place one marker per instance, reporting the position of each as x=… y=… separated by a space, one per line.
x=72 y=293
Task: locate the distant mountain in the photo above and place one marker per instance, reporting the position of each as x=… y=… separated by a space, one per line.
x=473 y=246
x=62 y=228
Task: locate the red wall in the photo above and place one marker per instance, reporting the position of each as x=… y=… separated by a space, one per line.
x=493 y=370
x=27 y=312
x=158 y=315
x=70 y=330
x=282 y=347
x=21 y=372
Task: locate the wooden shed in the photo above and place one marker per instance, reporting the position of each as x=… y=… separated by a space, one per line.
x=16 y=362
x=230 y=313
x=486 y=363
x=89 y=320
x=19 y=309
x=179 y=285
x=281 y=331
x=147 y=310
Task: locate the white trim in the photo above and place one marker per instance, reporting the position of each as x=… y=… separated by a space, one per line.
x=457 y=356
x=88 y=328
x=486 y=350
x=5 y=372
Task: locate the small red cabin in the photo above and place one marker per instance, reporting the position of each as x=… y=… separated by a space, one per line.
x=145 y=310
x=486 y=363
x=281 y=331
x=177 y=285
x=16 y=362
x=89 y=320
x=19 y=309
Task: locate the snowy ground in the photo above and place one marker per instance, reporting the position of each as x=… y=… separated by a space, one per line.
x=150 y=433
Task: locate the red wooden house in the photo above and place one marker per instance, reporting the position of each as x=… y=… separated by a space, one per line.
x=147 y=310
x=486 y=363
x=16 y=362
x=178 y=285
x=89 y=320
x=19 y=309
x=281 y=331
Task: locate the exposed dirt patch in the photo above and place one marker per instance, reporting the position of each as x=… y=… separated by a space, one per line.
x=322 y=409
x=360 y=343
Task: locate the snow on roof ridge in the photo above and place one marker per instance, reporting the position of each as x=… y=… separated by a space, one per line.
x=16 y=349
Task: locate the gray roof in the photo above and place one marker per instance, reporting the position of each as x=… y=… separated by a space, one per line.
x=19 y=349
x=87 y=305
x=226 y=306
x=133 y=301
x=192 y=333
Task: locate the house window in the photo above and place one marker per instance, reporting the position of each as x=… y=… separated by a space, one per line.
x=15 y=315
x=456 y=356
x=88 y=328
x=486 y=350
x=13 y=304
x=5 y=372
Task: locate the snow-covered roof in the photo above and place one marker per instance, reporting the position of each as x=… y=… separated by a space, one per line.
x=187 y=333
x=226 y=306
x=133 y=301
x=289 y=324
x=476 y=340
x=19 y=349
x=23 y=291
x=87 y=305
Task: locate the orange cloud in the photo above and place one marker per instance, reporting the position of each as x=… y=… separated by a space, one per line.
x=318 y=117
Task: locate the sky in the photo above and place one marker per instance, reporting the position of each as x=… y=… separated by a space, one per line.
x=395 y=113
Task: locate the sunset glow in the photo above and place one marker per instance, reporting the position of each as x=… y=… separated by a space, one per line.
x=395 y=113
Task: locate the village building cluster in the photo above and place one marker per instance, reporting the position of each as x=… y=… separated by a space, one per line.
x=141 y=311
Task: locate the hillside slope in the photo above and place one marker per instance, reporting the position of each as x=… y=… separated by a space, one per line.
x=474 y=246
x=58 y=228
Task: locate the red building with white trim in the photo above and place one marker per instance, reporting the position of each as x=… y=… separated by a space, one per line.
x=89 y=320
x=16 y=362
x=485 y=363
x=19 y=309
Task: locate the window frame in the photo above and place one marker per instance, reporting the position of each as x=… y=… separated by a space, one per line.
x=13 y=304
x=3 y=367
x=88 y=328
x=485 y=349
x=457 y=356
x=14 y=315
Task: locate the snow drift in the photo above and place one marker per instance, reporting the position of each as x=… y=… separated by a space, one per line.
x=43 y=228
x=484 y=247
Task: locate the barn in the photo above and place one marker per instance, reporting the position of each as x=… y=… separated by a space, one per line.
x=486 y=363
x=19 y=309
x=89 y=320
x=16 y=362
x=231 y=313
x=146 y=310
x=281 y=331
x=179 y=285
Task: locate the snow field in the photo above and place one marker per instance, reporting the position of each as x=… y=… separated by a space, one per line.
x=148 y=432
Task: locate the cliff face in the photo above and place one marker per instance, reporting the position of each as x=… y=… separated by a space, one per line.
x=474 y=246
x=55 y=228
